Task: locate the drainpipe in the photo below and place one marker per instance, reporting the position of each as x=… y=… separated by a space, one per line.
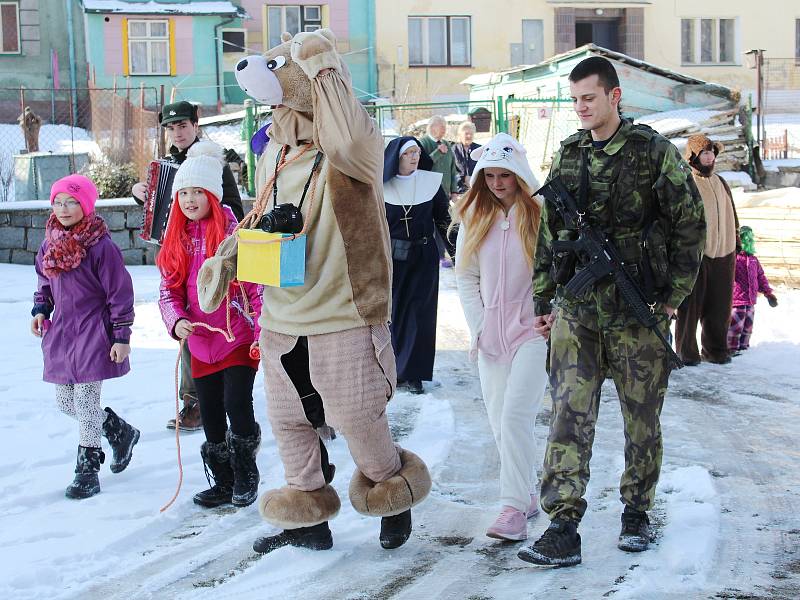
x=72 y=75
x=217 y=44
x=372 y=68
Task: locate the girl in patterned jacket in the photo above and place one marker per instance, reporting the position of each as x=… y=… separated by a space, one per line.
x=223 y=367
x=749 y=280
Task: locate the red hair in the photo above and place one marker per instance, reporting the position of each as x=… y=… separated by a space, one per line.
x=173 y=259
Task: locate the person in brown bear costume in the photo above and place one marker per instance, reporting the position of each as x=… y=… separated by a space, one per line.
x=710 y=300
x=342 y=310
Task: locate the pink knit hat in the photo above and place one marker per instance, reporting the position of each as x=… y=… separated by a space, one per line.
x=79 y=187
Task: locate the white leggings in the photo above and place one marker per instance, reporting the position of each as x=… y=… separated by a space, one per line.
x=513 y=394
x=81 y=401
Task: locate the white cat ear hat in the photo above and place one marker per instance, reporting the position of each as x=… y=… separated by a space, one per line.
x=504 y=152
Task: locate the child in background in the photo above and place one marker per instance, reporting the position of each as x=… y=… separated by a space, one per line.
x=85 y=288
x=223 y=371
x=496 y=241
x=748 y=281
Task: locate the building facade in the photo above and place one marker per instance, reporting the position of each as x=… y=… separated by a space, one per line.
x=427 y=47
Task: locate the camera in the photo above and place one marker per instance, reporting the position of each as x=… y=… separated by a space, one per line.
x=284 y=218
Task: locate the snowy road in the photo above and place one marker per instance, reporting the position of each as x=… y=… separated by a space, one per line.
x=727 y=508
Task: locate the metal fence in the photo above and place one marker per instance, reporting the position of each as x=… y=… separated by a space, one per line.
x=412 y=119
x=48 y=133
x=781 y=107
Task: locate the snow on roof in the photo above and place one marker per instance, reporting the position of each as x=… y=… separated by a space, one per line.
x=156 y=8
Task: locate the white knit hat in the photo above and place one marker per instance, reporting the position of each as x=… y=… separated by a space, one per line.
x=504 y=152
x=202 y=168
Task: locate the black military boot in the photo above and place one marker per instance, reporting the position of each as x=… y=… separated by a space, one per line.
x=635 y=533
x=86 y=482
x=217 y=460
x=243 y=450
x=559 y=546
x=316 y=537
x=122 y=438
x=395 y=530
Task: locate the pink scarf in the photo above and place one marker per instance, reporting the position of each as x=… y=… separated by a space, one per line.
x=66 y=248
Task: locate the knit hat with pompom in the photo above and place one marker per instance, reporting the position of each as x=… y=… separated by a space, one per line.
x=202 y=168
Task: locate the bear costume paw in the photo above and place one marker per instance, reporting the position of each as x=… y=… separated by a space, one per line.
x=314 y=51
x=289 y=508
x=216 y=274
x=406 y=488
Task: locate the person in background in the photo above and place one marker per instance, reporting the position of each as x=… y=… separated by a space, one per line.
x=465 y=164
x=710 y=300
x=496 y=242
x=749 y=280
x=180 y=121
x=86 y=289
x=416 y=206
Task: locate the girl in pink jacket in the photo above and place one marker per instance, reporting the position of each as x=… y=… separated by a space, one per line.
x=494 y=271
x=223 y=370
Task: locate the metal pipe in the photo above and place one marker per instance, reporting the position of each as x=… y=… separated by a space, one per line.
x=73 y=78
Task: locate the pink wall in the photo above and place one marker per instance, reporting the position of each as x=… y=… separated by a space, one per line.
x=339 y=20
x=112 y=43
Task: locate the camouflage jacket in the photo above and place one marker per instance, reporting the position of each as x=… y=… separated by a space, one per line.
x=442 y=163
x=642 y=195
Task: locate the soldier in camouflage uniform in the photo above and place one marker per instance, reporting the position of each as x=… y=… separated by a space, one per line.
x=641 y=194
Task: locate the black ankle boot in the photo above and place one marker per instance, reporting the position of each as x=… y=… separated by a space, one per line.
x=122 y=437
x=395 y=530
x=217 y=464
x=316 y=537
x=243 y=450
x=86 y=482
x=559 y=546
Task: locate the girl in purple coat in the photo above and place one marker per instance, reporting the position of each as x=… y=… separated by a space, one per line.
x=223 y=370
x=748 y=281
x=85 y=288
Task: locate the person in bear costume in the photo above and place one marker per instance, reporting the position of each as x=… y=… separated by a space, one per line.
x=341 y=312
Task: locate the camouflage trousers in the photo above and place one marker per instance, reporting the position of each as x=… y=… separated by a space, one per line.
x=580 y=359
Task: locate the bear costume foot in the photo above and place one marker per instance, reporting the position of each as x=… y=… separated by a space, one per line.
x=395 y=530
x=289 y=508
x=406 y=488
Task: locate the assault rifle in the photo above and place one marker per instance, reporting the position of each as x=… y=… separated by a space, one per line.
x=600 y=259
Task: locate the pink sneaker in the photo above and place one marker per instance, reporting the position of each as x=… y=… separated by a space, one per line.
x=534 y=508
x=510 y=525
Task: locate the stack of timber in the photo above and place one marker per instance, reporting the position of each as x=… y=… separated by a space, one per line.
x=719 y=122
x=774 y=216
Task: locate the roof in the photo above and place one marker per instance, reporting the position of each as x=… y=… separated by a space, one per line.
x=152 y=7
x=498 y=77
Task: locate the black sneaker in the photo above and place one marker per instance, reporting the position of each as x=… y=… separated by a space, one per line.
x=415 y=387
x=559 y=546
x=635 y=533
x=316 y=537
x=395 y=530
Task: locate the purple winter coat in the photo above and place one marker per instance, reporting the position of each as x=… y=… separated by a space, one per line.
x=749 y=280
x=182 y=303
x=92 y=308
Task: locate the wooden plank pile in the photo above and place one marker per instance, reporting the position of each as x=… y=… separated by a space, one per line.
x=720 y=122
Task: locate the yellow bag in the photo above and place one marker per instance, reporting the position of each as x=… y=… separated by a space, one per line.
x=266 y=260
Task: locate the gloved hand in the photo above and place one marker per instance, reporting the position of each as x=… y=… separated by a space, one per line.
x=773 y=301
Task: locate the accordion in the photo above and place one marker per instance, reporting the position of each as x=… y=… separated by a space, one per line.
x=158 y=201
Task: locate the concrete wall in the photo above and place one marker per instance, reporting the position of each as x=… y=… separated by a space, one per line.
x=22 y=230
x=770 y=26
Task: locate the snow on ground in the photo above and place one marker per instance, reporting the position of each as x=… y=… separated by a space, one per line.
x=725 y=514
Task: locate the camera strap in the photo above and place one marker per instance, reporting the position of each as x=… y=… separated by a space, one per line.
x=281 y=157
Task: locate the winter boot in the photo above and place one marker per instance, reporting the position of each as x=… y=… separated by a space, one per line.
x=395 y=530
x=189 y=416
x=86 y=482
x=316 y=537
x=217 y=460
x=415 y=387
x=635 y=533
x=559 y=546
x=243 y=450
x=122 y=438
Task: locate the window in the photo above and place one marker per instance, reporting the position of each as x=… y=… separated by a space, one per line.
x=439 y=41
x=148 y=47
x=9 y=28
x=233 y=41
x=709 y=41
x=291 y=19
x=797 y=39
